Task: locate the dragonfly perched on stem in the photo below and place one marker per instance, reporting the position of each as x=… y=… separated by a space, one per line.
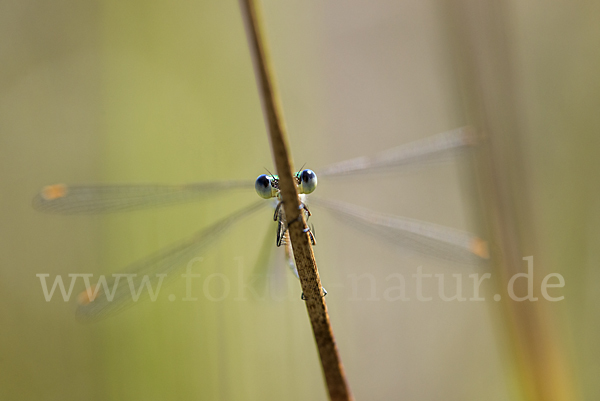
x=106 y=297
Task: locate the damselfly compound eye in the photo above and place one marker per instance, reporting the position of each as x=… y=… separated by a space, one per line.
x=308 y=181
x=264 y=187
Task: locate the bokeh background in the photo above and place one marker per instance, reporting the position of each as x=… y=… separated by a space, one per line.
x=152 y=91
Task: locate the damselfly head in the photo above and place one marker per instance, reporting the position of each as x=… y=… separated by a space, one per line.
x=267 y=185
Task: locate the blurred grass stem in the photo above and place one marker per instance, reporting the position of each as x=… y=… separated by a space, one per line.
x=482 y=44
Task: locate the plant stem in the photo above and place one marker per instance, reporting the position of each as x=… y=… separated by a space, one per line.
x=331 y=363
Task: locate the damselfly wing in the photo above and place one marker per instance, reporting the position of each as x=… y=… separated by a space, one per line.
x=109 y=296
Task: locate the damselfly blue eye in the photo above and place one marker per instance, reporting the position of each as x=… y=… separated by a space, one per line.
x=308 y=181
x=264 y=186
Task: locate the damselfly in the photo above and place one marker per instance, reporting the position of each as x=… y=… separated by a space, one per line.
x=107 y=297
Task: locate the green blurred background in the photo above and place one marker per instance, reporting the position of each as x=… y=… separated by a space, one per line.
x=156 y=91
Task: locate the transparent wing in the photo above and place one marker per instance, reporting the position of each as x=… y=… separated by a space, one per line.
x=265 y=260
x=117 y=293
x=92 y=199
x=415 y=152
x=432 y=239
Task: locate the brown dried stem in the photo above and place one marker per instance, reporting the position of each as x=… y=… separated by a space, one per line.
x=303 y=253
